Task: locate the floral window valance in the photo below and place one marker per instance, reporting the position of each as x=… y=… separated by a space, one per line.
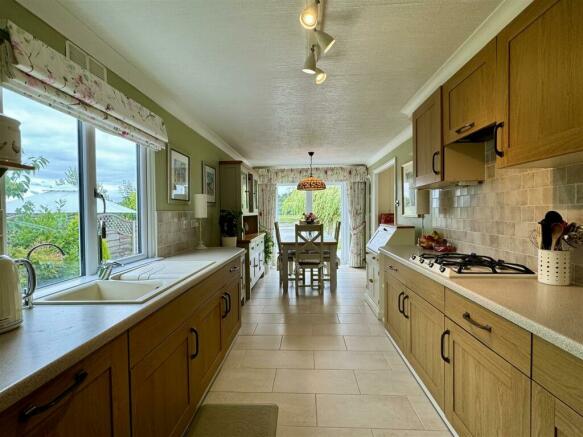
x=30 y=67
x=328 y=174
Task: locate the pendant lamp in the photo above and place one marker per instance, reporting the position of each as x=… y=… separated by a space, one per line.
x=311 y=183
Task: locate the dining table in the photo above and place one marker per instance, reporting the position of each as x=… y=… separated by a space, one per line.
x=287 y=246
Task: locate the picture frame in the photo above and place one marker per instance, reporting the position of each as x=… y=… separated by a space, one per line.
x=408 y=205
x=178 y=176
x=209 y=182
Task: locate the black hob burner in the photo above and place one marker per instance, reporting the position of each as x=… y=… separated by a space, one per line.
x=469 y=264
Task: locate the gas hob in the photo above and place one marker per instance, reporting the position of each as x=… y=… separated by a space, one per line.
x=469 y=265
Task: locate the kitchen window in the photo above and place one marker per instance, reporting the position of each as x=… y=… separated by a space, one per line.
x=60 y=203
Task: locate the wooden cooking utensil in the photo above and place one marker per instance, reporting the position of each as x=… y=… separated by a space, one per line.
x=556 y=233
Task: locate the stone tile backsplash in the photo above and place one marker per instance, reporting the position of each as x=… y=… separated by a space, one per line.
x=497 y=216
x=177 y=232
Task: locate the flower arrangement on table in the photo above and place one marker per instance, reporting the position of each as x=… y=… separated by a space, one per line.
x=310 y=218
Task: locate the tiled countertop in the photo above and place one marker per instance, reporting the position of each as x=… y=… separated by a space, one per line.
x=550 y=312
x=54 y=337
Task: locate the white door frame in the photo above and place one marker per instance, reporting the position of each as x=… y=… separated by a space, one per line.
x=375 y=188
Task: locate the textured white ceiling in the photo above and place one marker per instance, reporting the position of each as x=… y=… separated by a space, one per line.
x=236 y=66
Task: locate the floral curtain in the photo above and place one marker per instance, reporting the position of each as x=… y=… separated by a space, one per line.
x=328 y=174
x=30 y=67
x=267 y=199
x=357 y=211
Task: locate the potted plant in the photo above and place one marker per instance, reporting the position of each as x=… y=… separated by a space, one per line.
x=230 y=223
x=310 y=218
x=267 y=250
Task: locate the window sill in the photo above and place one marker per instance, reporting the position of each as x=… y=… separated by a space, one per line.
x=60 y=286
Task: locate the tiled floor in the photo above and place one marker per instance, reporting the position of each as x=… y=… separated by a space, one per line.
x=326 y=361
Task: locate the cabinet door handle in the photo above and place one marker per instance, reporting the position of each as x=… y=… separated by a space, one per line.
x=228 y=302
x=194 y=332
x=499 y=153
x=393 y=269
x=371 y=281
x=465 y=127
x=234 y=269
x=224 y=298
x=401 y=294
x=406 y=298
x=468 y=318
x=442 y=350
x=33 y=410
x=435 y=154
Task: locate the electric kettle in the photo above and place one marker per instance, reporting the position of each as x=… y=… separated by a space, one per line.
x=10 y=294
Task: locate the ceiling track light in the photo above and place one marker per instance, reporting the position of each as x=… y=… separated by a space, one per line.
x=320 y=76
x=325 y=41
x=310 y=64
x=309 y=16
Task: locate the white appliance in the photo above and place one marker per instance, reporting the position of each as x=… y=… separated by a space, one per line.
x=384 y=236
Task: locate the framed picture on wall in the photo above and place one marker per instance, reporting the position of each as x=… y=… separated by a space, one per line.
x=408 y=190
x=178 y=176
x=209 y=182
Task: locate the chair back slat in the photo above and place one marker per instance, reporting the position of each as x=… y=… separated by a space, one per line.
x=337 y=232
x=309 y=245
x=278 y=237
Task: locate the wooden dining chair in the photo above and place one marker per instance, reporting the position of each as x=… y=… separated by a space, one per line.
x=332 y=258
x=290 y=256
x=309 y=255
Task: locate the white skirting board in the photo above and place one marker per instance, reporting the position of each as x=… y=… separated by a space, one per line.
x=373 y=306
x=425 y=389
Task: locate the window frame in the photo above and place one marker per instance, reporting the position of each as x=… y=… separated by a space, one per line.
x=88 y=210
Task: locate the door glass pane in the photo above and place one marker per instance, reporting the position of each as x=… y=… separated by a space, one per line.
x=327 y=205
x=43 y=206
x=117 y=166
x=291 y=204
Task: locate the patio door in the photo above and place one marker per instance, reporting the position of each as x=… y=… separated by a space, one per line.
x=329 y=205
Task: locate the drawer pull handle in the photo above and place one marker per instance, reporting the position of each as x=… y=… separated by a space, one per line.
x=38 y=409
x=234 y=269
x=406 y=298
x=393 y=269
x=371 y=281
x=499 y=153
x=194 y=332
x=401 y=294
x=224 y=298
x=442 y=351
x=465 y=127
x=468 y=318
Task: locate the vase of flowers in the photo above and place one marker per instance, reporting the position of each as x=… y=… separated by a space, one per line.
x=310 y=218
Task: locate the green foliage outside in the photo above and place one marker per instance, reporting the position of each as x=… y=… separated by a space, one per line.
x=326 y=206
x=33 y=224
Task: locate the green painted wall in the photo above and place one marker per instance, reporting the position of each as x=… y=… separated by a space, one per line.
x=403 y=154
x=181 y=137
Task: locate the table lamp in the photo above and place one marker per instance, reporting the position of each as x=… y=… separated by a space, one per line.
x=200 y=213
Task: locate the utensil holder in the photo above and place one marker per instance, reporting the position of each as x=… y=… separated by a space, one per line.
x=554 y=267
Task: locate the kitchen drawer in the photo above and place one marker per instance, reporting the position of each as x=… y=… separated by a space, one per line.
x=428 y=289
x=152 y=331
x=503 y=337
x=559 y=372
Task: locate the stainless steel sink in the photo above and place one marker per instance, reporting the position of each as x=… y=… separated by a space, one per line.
x=106 y=292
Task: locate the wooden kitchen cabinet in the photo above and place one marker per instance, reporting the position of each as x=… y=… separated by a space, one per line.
x=484 y=394
x=427 y=141
x=551 y=417
x=437 y=166
x=468 y=96
x=426 y=326
x=539 y=92
x=231 y=311
x=162 y=394
x=89 y=399
x=395 y=321
x=209 y=321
